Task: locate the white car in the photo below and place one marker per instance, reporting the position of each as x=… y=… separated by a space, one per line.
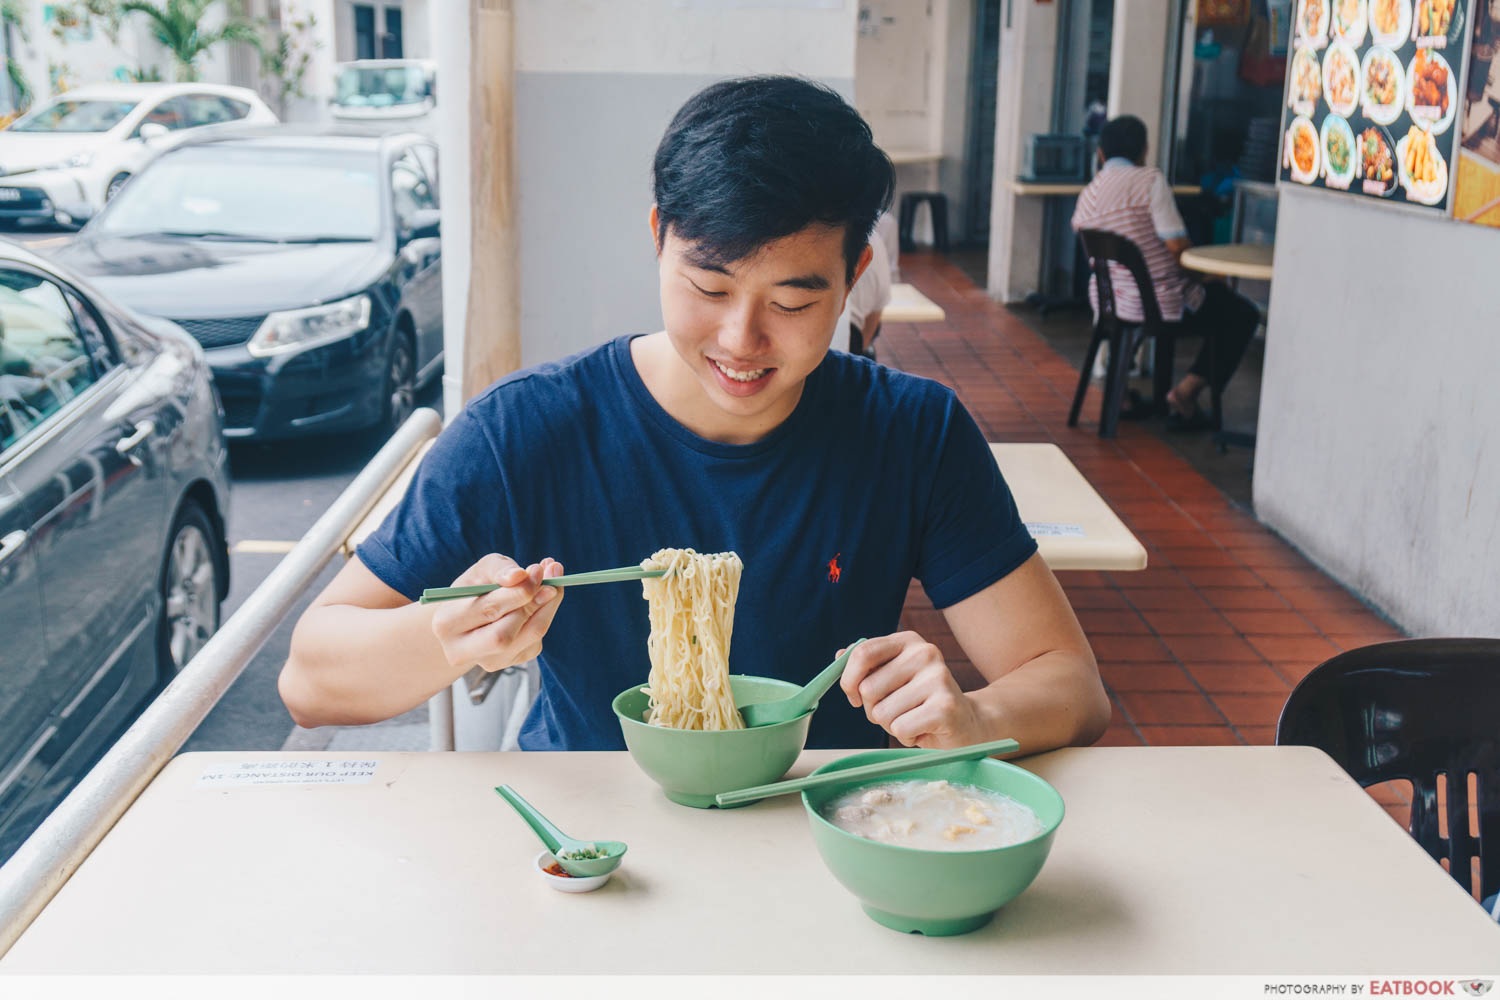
x=76 y=150
x=386 y=94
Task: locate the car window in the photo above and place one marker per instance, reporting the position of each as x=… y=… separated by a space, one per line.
x=172 y=113
x=410 y=187
x=96 y=340
x=234 y=109
x=44 y=357
x=74 y=116
x=207 y=109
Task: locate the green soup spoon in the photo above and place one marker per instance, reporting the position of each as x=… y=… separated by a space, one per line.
x=560 y=844
x=786 y=709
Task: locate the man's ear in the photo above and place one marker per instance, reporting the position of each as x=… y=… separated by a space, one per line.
x=862 y=263
x=655 y=236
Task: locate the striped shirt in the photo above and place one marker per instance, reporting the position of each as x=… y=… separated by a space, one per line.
x=1136 y=203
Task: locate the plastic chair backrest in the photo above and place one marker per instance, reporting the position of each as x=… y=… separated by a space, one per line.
x=1415 y=710
x=1102 y=247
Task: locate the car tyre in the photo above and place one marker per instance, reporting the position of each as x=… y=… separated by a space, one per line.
x=115 y=184
x=400 y=384
x=189 y=590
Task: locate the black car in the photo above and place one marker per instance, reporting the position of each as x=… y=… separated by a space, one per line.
x=306 y=263
x=113 y=491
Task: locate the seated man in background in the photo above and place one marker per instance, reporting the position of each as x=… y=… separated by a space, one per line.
x=872 y=292
x=1134 y=200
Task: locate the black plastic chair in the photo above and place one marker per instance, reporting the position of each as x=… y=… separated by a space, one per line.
x=1103 y=247
x=937 y=202
x=1414 y=710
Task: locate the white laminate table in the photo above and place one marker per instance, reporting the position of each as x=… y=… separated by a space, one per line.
x=1205 y=860
x=1073 y=526
x=1232 y=260
x=908 y=305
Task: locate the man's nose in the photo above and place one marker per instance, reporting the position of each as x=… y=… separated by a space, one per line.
x=740 y=334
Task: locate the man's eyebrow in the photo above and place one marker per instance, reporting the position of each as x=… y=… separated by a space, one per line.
x=806 y=282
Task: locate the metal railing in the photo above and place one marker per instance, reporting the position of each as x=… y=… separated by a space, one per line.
x=42 y=865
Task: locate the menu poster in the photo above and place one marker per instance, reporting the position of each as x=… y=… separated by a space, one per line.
x=1372 y=93
x=1476 y=182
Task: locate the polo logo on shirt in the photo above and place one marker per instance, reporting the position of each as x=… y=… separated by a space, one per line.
x=834 y=571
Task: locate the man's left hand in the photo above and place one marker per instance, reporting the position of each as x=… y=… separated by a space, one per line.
x=905 y=687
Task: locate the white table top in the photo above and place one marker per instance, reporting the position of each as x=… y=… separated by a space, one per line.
x=1231 y=260
x=1053 y=496
x=908 y=305
x=901 y=157
x=1041 y=188
x=1213 y=860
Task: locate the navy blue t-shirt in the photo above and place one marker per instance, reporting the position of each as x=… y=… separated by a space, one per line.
x=876 y=478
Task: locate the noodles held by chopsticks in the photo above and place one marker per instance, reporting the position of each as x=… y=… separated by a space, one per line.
x=692 y=618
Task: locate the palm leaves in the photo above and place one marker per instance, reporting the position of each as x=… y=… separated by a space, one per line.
x=176 y=25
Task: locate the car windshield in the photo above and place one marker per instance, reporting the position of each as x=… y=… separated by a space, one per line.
x=380 y=87
x=74 y=116
x=252 y=193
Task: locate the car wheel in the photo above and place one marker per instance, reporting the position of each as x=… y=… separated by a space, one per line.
x=400 y=384
x=189 y=591
x=115 y=184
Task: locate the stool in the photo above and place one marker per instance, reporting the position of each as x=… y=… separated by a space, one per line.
x=938 y=204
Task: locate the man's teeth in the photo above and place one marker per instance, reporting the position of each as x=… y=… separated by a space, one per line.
x=738 y=376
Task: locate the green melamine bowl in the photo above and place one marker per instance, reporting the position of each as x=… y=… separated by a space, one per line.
x=692 y=766
x=935 y=892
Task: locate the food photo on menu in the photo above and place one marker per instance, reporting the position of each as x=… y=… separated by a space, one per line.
x=1349 y=21
x=1312 y=23
x=1341 y=78
x=1377 y=166
x=1476 y=183
x=1338 y=152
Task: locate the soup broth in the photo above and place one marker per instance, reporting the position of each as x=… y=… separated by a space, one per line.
x=933 y=816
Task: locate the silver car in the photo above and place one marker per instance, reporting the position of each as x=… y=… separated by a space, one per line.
x=113 y=492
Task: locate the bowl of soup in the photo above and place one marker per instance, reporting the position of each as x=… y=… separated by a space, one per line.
x=935 y=851
x=694 y=765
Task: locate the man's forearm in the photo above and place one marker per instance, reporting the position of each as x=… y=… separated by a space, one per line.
x=351 y=666
x=1055 y=700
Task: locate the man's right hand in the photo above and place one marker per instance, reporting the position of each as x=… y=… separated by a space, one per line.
x=506 y=626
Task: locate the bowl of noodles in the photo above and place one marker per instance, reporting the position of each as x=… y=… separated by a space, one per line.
x=683 y=726
x=940 y=850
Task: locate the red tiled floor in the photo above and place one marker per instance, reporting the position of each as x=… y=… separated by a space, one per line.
x=1203 y=646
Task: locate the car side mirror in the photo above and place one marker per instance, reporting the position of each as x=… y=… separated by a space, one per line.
x=424 y=223
x=151 y=131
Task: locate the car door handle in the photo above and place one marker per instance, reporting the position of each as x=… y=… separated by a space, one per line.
x=125 y=445
x=11 y=544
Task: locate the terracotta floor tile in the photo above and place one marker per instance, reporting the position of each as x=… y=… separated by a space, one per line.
x=1145 y=677
x=1331 y=622
x=1294 y=670
x=1189 y=736
x=1391 y=793
x=1220 y=576
x=1244 y=598
x=1150 y=578
x=1211 y=649
x=1200 y=621
x=1330 y=598
x=1258 y=736
x=1165 y=708
x=1167 y=539
x=1143 y=648
x=1269 y=622
x=1250 y=709
x=1119 y=736
x=1097 y=622
x=1238 y=678
x=1348 y=642
x=1270 y=558
x=1294 y=577
x=1198 y=556
x=1274 y=647
x=1166 y=599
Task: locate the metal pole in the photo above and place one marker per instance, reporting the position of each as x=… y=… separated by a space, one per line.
x=49 y=856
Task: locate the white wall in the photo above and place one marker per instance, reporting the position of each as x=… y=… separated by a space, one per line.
x=1379 y=432
x=1028 y=40
x=1137 y=63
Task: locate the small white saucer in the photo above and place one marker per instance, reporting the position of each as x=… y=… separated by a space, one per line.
x=566 y=884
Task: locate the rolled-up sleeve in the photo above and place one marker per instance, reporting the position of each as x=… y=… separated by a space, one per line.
x=1164 y=215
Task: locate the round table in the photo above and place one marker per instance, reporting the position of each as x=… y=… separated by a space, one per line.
x=1231 y=260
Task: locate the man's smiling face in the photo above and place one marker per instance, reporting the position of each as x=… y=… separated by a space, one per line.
x=751 y=331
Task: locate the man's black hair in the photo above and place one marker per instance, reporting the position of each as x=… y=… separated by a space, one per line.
x=1123 y=136
x=749 y=161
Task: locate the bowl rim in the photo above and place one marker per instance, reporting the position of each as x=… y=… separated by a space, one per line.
x=791 y=688
x=817 y=817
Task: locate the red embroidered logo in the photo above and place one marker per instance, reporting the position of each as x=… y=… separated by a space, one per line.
x=834 y=572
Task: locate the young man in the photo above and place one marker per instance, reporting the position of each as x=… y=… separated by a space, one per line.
x=1132 y=199
x=735 y=428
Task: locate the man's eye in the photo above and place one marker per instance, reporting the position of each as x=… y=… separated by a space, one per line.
x=705 y=291
x=789 y=309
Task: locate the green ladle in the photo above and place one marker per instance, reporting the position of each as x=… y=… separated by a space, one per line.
x=557 y=841
x=914 y=762
x=769 y=713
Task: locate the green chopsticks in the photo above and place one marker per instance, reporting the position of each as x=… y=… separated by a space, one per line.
x=617 y=575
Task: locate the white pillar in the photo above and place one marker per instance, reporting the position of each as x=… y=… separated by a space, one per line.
x=450 y=38
x=318 y=82
x=1137 y=64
